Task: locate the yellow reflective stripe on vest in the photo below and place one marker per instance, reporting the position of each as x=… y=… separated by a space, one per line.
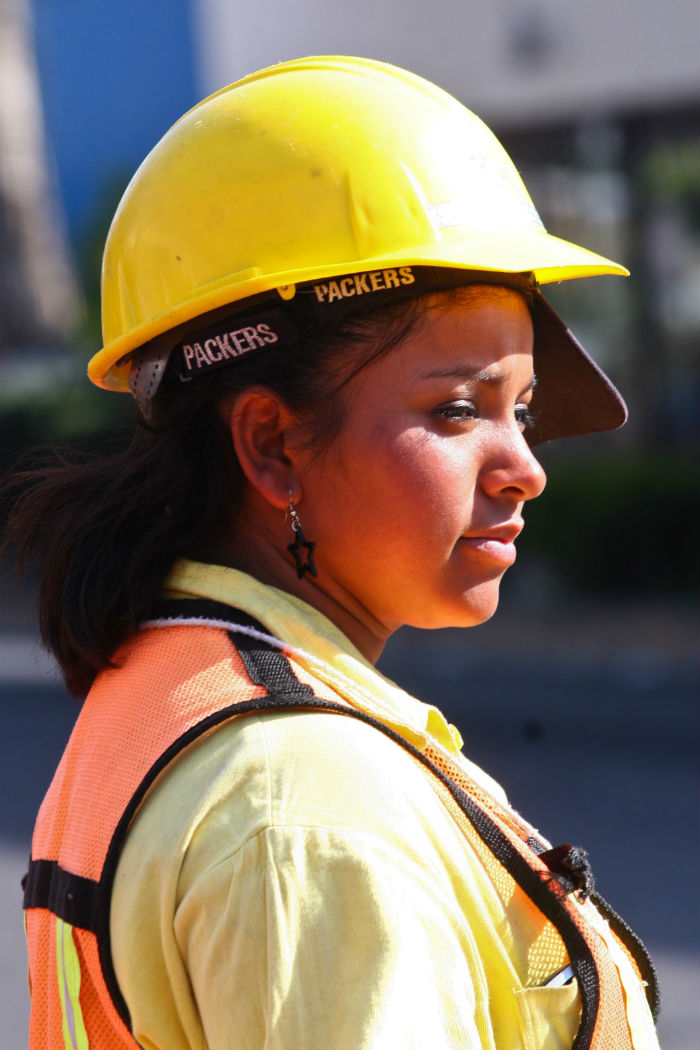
x=68 y=973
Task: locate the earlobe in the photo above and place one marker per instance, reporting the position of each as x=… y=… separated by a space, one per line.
x=262 y=428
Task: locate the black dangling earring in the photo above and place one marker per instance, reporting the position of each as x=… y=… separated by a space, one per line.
x=301 y=547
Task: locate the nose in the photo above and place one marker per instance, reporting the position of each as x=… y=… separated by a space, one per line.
x=513 y=471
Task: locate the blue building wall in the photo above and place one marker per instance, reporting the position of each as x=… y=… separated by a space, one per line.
x=114 y=75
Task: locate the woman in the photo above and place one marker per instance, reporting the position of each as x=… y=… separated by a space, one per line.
x=322 y=290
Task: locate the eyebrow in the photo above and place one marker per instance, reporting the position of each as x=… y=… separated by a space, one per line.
x=482 y=376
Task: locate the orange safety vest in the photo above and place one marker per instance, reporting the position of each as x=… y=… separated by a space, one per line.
x=164 y=692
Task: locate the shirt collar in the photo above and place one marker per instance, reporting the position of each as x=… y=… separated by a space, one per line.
x=320 y=645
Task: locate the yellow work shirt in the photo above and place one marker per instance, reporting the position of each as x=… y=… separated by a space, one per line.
x=294 y=881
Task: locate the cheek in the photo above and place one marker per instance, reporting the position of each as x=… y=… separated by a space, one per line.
x=429 y=478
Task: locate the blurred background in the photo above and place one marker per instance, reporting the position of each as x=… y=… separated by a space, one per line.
x=581 y=694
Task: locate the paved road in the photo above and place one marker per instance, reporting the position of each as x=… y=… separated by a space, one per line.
x=595 y=740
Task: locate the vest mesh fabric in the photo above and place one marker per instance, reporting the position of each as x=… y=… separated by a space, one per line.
x=134 y=712
x=47 y=1013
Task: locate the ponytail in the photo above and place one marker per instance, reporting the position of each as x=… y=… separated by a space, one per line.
x=107 y=530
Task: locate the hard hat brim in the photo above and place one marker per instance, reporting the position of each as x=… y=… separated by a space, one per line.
x=573 y=396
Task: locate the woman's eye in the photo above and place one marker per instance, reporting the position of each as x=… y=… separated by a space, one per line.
x=457 y=411
x=525 y=416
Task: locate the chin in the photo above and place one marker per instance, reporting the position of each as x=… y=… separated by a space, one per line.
x=484 y=605
x=469 y=609
x=476 y=615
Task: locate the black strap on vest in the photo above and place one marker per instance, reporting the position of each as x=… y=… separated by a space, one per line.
x=66 y=895
x=72 y=897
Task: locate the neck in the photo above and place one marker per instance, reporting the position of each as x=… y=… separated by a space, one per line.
x=262 y=556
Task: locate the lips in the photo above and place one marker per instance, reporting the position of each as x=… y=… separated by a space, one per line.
x=496 y=543
x=506 y=532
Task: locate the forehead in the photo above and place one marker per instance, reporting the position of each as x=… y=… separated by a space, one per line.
x=471 y=329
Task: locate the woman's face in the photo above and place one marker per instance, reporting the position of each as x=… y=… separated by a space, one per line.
x=415 y=507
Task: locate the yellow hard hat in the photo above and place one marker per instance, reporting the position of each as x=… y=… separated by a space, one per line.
x=308 y=170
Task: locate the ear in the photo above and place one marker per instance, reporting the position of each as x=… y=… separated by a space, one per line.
x=263 y=431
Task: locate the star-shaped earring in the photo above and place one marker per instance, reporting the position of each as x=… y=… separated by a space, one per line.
x=300 y=545
x=295 y=549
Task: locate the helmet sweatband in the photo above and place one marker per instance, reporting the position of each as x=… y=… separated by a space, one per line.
x=283 y=322
x=572 y=396
x=283 y=317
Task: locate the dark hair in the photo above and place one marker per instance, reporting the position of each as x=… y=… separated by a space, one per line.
x=107 y=529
